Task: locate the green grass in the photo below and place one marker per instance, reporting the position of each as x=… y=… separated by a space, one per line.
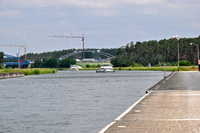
x=31 y=71
x=83 y=64
x=168 y=68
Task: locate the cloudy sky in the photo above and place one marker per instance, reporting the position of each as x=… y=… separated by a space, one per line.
x=104 y=23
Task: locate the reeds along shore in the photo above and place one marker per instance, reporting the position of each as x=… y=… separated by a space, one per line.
x=169 y=68
x=32 y=71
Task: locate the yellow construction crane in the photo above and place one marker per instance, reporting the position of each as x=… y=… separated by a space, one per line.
x=17 y=46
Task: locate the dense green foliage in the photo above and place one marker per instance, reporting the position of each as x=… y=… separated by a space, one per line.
x=53 y=63
x=1 y=57
x=136 y=65
x=184 y=63
x=1 y=66
x=57 y=54
x=157 y=52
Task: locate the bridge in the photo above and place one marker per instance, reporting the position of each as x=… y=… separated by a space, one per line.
x=12 y=61
x=107 y=55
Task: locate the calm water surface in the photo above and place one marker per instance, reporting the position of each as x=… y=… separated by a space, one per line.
x=74 y=102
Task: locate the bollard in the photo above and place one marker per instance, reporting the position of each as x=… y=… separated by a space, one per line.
x=199 y=66
x=165 y=71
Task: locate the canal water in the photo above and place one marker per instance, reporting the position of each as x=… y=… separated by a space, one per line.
x=74 y=102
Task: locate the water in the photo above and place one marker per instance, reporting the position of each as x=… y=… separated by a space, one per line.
x=74 y=102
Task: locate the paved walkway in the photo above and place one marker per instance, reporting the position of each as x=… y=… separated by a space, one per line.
x=174 y=110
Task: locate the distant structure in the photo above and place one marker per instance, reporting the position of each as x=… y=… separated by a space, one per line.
x=12 y=61
x=83 y=38
x=20 y=46
x=107 y=56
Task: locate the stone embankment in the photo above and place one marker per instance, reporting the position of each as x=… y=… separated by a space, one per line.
x=11 y=75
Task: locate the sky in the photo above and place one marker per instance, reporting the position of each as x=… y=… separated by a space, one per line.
x=104 y=23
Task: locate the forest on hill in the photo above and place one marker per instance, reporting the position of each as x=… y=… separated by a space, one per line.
x=154 y=52
x=157 y=52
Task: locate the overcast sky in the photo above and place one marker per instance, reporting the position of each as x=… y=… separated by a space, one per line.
x=105 y=23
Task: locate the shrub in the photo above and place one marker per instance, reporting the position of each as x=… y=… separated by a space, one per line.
x=184 y=63
x=94 y=66
x=120 y=68
x=136 y=65
x=87 y=66
x=37 y=71
x=1 y=67
x=53 y=71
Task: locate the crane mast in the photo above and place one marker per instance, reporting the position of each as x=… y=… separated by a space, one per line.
x=74 y=37
x=17 y=46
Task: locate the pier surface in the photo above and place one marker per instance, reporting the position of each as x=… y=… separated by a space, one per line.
x=171 y=106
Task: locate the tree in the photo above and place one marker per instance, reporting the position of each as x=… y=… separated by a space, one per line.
x=67 y=62
x=1 y=57
x=51 y=63
x=157 y=52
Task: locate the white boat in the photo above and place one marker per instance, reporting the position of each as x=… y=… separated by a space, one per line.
x=73 y=68
x=105 y=68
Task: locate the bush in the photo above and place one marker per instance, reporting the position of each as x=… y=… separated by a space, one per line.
x=136 y=65
x=184 y=63
x=94 y=66
x=1 y=67
x=54 y=71
x=37 y=71
x=87 y=66
x=98 y=65
x=120 y=68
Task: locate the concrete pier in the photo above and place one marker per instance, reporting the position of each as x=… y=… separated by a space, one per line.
x=171 y=106
x=11 y=75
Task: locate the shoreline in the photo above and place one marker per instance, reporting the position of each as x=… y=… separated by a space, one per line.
x=148 y=91
x=11 y=75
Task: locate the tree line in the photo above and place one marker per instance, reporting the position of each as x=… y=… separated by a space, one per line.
x=157 y=52
x=57 y=54
x=53 y=63
x=1 y=57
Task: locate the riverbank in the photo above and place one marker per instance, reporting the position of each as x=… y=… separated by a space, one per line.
x=31 y=71
x=172 y=102
x=11 y=75
x=168 y=68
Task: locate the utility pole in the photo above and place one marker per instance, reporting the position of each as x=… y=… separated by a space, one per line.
x=177 y=37
x=74 y=37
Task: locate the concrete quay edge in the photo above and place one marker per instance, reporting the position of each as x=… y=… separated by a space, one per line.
x=123 y=114
x=151 y=88
x=11 y=75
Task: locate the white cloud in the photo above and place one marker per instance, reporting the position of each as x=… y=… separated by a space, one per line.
x=150 y=11
x=82 y=3
x=195 y=25
x=9 y=32
x=102 y=12
x=143 y=2
x=141 y=32
x=67 y=24
x=45 y=3
x=10 y=13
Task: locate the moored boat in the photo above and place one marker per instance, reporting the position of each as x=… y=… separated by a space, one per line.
x=73 y=68
x=105 y=68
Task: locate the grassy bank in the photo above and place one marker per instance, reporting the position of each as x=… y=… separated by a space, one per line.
x=31 y=71
x=168 y=68
x=83 y=64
